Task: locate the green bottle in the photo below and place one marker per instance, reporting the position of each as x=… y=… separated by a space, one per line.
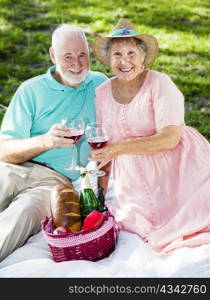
x=88 y=200
x=101 y=199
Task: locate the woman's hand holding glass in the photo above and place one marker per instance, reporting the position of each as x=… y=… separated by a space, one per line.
x=105 y=155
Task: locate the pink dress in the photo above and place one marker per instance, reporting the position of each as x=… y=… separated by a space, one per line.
x=164 y=198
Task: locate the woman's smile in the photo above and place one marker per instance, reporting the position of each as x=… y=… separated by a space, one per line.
x=126 y=70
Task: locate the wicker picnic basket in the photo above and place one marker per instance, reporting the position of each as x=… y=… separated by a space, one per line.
x=91 y=244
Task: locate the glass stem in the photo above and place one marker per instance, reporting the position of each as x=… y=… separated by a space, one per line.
x=74 y=156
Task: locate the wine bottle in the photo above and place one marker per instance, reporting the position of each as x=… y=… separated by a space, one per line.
x=88 y=199
x=101 y=199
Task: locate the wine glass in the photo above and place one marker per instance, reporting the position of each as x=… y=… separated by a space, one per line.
x=77 y=127
x=97 y=138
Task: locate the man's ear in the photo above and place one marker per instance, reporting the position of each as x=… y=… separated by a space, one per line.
x=52 y=56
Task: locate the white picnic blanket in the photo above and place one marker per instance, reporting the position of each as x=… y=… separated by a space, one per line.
x=131 y=258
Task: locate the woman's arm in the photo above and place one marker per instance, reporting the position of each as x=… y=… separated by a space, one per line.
x=165 y=139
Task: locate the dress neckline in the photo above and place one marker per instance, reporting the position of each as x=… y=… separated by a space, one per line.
x=134 y=98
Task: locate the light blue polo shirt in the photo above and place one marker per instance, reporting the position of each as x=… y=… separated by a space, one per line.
x=41 y=102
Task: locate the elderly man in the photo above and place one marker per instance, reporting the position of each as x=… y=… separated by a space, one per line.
x=34 y=149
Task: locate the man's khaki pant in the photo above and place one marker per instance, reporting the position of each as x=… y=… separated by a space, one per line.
x=24 y=201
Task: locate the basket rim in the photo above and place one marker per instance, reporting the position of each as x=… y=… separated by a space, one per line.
x=76 y=233
x=66 y=241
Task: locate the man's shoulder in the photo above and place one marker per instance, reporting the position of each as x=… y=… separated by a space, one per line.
x=104 y=86
x=97 y=77
x=34 y=81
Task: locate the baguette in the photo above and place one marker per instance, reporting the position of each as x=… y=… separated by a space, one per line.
x=65 y=209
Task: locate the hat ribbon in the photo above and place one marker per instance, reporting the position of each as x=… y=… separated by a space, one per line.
x=124 y=31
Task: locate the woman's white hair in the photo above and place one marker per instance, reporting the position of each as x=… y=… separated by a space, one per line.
x=68 y=30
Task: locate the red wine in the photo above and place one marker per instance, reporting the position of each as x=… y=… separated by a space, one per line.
x=75 y=137
x=97 y=142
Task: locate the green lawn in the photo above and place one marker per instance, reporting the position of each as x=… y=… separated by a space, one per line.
x=181 y=27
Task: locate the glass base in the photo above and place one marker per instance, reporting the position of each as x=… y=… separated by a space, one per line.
x=73 y=168
x=97 y=173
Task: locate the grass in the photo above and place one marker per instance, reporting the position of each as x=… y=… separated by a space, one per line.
x=181 y=27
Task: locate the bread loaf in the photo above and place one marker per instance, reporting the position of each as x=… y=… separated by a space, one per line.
x=65 y=207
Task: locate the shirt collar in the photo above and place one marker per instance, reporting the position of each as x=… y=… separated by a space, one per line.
x=55 y=85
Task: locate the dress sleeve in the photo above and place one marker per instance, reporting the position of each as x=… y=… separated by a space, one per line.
x=168 y=103
x=17 y=120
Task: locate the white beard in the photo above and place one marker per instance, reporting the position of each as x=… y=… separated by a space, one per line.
x=71 y=78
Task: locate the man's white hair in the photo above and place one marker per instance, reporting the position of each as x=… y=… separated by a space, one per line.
x=66 y=30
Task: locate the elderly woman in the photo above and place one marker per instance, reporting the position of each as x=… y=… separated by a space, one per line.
x=161 y=167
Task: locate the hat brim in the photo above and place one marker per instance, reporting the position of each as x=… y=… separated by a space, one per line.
x=99 y=47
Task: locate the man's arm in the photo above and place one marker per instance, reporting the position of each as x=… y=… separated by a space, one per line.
x=17 y=151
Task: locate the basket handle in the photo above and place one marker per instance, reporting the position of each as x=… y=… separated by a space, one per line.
x=47 y=224
x=117 y=225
